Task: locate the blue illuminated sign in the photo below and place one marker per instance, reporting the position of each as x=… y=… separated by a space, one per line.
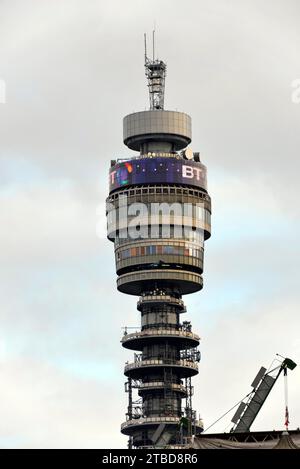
x=157 y=171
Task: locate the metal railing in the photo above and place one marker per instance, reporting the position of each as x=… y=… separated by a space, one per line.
x=163 y=384
x=160 y=332
x=149 y=420
x=160 y=362
x=158 y=298
x=157 y=420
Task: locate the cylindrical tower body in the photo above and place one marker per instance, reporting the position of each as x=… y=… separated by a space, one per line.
x=158 y=213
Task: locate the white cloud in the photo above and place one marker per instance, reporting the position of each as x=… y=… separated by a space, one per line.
x=45 y=408
x=48 y=221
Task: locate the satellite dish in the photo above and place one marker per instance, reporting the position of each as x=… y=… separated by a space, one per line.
x=188 y=154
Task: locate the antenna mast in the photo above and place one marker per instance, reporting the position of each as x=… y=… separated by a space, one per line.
x=155 y=71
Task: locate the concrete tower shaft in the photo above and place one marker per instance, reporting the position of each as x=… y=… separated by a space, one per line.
x=158 y=212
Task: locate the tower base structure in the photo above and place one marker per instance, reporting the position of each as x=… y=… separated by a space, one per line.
x=160 y=374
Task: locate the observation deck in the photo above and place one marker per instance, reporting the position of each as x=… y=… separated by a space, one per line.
x=183 y=368
x=138 y=340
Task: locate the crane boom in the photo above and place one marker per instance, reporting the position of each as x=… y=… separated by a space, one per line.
x=262 y=386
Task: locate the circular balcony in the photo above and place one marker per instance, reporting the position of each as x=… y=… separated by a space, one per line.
x=156 y=299
x=159 y=385
x=135 y=283
x=184 y=368
x=163 y=261
x=138 y=340
x=129 y=427
x=161 y=193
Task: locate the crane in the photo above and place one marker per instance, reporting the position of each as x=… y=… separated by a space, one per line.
x=262 y=386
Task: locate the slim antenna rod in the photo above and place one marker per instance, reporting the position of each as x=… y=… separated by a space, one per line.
x=153 y=44
x=145 y=43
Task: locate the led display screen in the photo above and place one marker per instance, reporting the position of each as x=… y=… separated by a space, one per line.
x=157 y=171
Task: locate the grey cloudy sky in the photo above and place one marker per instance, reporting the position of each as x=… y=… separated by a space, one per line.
x=72 y=70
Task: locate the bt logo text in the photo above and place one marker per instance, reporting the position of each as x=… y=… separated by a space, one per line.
x=296 y=93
